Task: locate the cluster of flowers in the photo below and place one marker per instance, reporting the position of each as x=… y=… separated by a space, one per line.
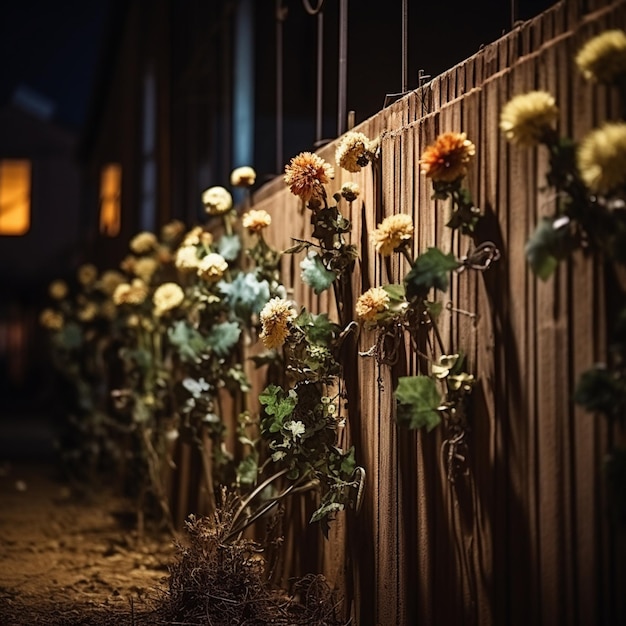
x=589 y=178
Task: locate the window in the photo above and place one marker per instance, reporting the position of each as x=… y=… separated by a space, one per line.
x=110 y=200
x=15 y=177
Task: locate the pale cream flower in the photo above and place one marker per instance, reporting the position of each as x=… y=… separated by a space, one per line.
x=143 y=243
x=134 y=293
x=275 y=318
x=187 y=259
x=393 y=232
x=354 y=152
x=167 y=297
x=350 y=191
x=256 y=220
x=212 y=267
x=601 y=158
x=447 y=159
x=371 y=303
x=306 y=175
x=87 y=274
x=58 y=289
x=109 y=280
x=217 y=200
x=163 y=254
x=52 y=320
x=243 y=176
x=603 y=58
x=528 y=118
x=145 y=267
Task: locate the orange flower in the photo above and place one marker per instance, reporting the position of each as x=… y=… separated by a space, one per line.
x=447 y=159
x=306 y=174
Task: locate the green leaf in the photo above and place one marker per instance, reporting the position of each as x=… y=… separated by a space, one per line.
x=187 y=340
x=223 y=337
x=229 y=246
x=277 y=403
x=598 y=390
x=319 y=330
x=546 y=246
x=315 y=274
x=246 y=294
x=247 y=470
x=348 y=463
x=430 y=270
x=418 y=401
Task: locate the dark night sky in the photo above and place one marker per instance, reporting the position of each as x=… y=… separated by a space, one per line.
x=53 y=47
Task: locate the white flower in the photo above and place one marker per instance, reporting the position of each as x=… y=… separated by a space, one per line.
x=296 y=427
x=217 y=200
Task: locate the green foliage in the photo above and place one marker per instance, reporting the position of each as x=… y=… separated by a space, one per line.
x=229 y=247
x=315 y=274
x=430 y=270
x=246 y=294
x=547 y=245
x=418 y=402
x=600 y=390
x=188 y=341
x=223 y=337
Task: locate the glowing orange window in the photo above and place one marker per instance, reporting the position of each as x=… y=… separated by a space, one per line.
x=15 y=177
x=110 y=200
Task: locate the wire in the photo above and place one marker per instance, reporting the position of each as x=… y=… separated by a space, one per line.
x=310 y=10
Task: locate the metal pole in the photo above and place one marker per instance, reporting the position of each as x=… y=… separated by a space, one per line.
x=320 y=79
x=343 y=67
x=405 y=45
x=280 y=18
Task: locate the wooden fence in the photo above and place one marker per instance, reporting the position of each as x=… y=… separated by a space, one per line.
x=522 y=537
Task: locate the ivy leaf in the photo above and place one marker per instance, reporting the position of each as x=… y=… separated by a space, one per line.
x=418 y=401
x=319 y=330
x=599 y=391
x=315 y=274
x=277 y=403
x=247 y=470
x=187 y=340
x=547 y=245
x=348 y=463
x=229 y=247
x=246 y=294
x=430 y=270
x=223 y=337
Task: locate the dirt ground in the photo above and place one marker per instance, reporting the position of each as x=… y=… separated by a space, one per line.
x=69 y=560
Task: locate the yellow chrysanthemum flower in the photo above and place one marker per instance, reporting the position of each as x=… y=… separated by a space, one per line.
x=58 y=289
x=353 y=152
x=371 y=303
x=109 y=280
x=447 y=159
x=256 y=220
x=275 y=317
x=603 y=58
x=134 y=293
x=306 y=175
x=393 y=232
x=172 y=231
x=212 y=267
x=601 y=158
x=243 y=176
x=143 y=242
x=167 y=297
x=87 y=274
x=217 y=200
x=145 y=267
x=528 y=118
x=52 y=320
